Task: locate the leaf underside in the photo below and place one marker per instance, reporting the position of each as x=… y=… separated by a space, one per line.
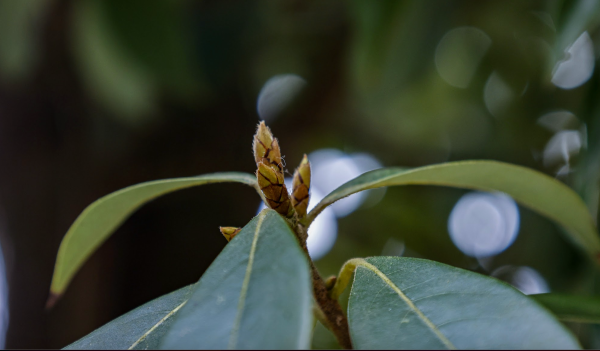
x=257 y=294
x=100 y=219
x=399 y=303
x=140 y=329
x=535 y=190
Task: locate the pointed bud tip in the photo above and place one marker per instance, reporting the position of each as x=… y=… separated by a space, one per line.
x=266 y=147
x=304 y=160
x=263 y=133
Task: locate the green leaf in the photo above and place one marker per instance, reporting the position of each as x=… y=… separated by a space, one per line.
x=530 y=188
x=582 y=16
x=100 y=219
x=139 y=329
x=20 y=51
x=257 y=294
x=581 y=309
x=398 y=303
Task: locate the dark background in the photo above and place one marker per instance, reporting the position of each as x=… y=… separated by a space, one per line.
x=99 y=95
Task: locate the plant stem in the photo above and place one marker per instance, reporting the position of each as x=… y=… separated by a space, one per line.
x=336 y=321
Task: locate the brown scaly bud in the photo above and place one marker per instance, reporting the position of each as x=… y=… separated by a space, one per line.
x=270 y=171
x=270 y=180
x=266 y=147
x=229 y=232
x=301 y=187
x=271 y=183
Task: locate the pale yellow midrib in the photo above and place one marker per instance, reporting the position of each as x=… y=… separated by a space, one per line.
x=157 y=325
x=410 y=304
x=234 y=331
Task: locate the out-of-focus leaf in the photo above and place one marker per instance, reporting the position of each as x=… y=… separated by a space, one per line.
x=584 y=15
x=257 y=294
x=385 y=32
x=587 y=178
x=153 y=32
x=113 y=77
x=399 y=303
x=582 y=309
x=100 y=219
x=19 y=36
x=532 y=189
x=140 y=329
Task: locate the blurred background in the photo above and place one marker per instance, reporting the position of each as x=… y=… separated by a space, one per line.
x=99 y=95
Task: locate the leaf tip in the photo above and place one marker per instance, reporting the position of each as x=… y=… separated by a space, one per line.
x=52 y=299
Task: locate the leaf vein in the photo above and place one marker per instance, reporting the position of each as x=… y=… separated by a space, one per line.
x=236 y=326
x=410 y=304
x=157 y=325
x=453 y=293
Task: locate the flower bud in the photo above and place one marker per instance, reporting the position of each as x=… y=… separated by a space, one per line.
x=270 y=180
x=266 y=147
x=301 y=187
x=270 y=171
x=271 y=183
x=229 y=232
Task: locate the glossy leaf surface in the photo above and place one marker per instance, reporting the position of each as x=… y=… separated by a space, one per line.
x=257 y=294
x=140 y=329
x=100 y=219
x=581 y=309
x=399 y=303
x=530 y=188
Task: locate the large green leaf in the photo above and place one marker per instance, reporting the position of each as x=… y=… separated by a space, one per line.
x=581 y=309
x=398 y=303
x=95 y=224
x=140 y=329
x=257 y=294
x=532 y=189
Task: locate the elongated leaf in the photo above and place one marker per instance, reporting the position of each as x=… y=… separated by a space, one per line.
x=398 y=303
x=581 y=309
x=140 y=329
x=583 y=16
x=257 y=294
x=532 y=189
x=100 y=219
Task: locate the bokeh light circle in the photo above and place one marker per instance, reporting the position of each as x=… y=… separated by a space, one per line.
x=484 y=224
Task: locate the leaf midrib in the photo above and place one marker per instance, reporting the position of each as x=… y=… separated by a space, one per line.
x=169 y=315
x=236 y=326
x=588 y=241
x=410 y=304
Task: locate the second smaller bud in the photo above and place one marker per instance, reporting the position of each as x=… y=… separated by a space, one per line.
x=301 y=187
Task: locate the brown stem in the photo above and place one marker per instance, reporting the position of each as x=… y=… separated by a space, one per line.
x=336 y=321
x=338 y=324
